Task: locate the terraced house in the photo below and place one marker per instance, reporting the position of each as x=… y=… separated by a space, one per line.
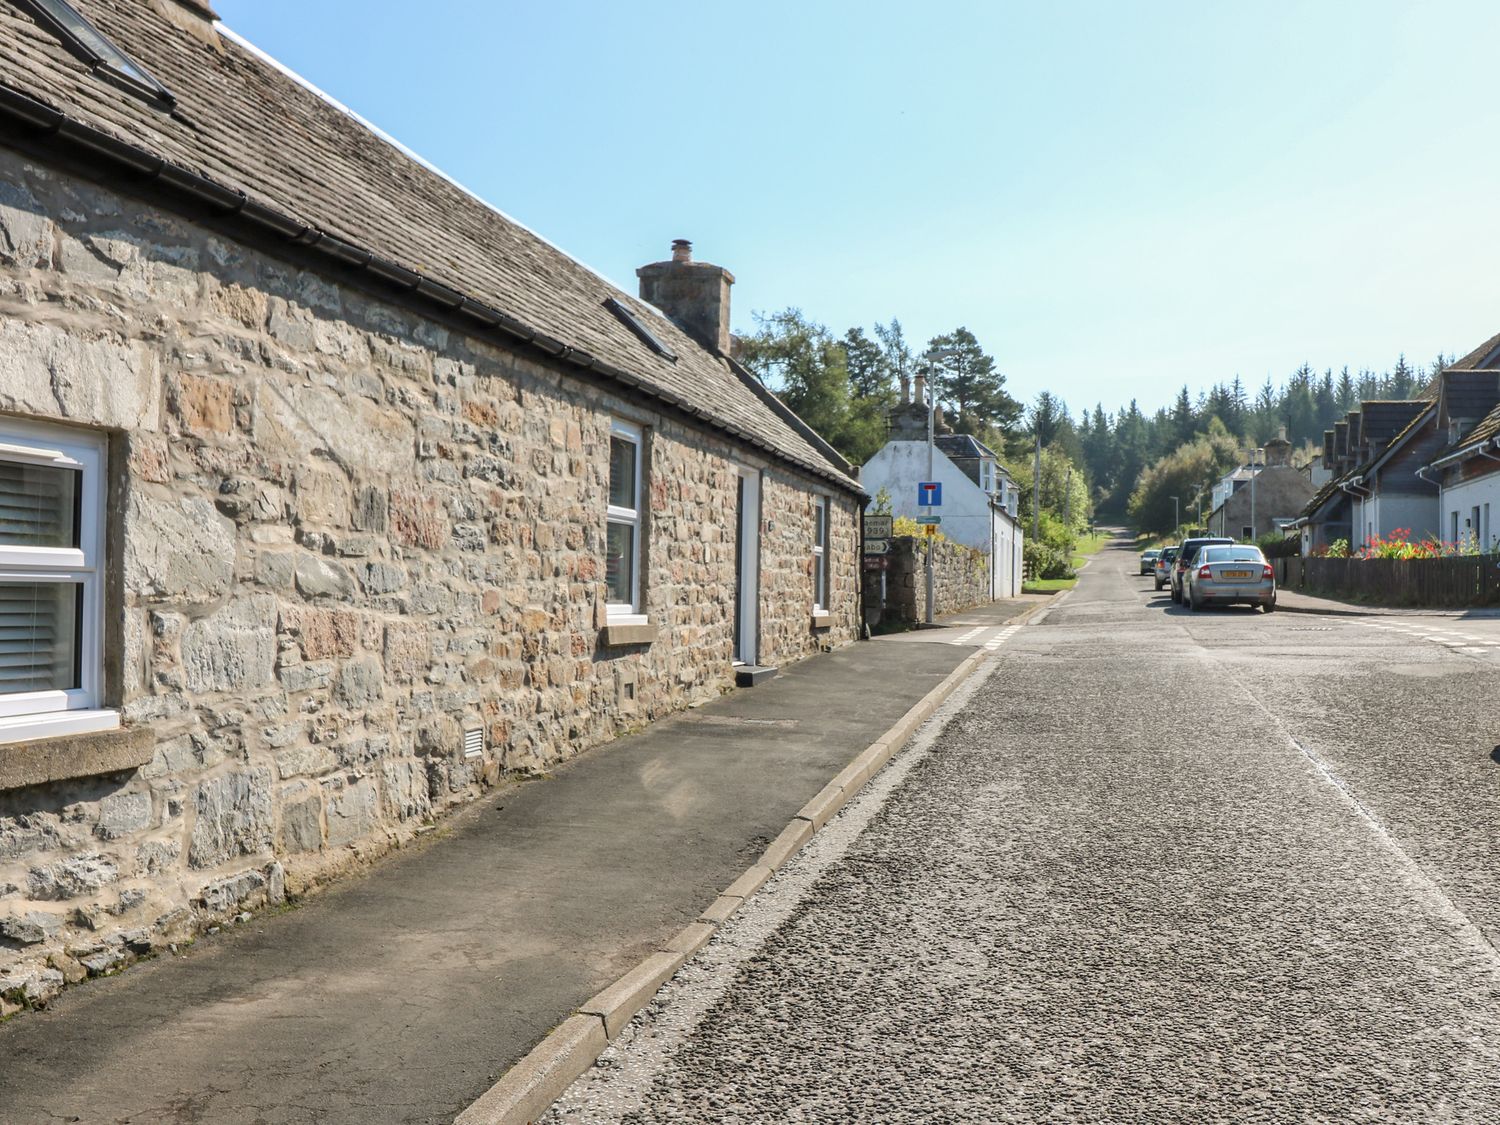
x=329 y=494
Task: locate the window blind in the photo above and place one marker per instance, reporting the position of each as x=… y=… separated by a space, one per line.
x=38 y=505
x=39 y=636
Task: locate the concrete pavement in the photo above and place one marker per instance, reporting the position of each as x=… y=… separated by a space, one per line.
x=1155 y=866
x=399 y=997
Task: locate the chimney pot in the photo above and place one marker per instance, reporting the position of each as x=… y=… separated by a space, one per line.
x=920 y=397
x=682 y=250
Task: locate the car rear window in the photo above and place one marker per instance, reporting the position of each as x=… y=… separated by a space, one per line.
x=1232 y=554
x=1190 y=547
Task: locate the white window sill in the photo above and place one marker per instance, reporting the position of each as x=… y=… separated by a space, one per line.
x=625 y=619
x=26 y=728
x=821 y=619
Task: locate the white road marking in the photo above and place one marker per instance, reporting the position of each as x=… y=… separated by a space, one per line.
x=995 y=642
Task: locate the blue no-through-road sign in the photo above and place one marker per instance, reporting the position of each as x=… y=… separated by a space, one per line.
x=930 y=493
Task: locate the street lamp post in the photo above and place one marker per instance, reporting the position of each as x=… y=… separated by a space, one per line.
x=931 y=423
x=1176 y=519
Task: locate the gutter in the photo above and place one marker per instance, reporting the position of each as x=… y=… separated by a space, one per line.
x=1357 y=483
x=95 y=146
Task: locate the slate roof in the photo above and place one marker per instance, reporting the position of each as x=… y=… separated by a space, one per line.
x=963 y=445
x=1486 y=428
x=1321 y=498
x=244 y=125
x=1385 y=422
x=1396 y=443
x=1469 y=392
x=1486 y=355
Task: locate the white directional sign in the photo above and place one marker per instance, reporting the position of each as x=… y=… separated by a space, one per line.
x=878 y=527
x=877 y=546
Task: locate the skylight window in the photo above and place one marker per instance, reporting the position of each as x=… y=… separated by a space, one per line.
x=633 y=322
x=89 y=44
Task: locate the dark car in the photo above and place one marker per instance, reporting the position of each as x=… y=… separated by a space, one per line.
x=1187 y=550
x=1163 y=568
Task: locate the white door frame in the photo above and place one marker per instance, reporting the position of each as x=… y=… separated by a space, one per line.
x=747 y=581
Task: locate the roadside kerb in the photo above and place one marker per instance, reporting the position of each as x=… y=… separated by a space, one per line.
x=524 y=1092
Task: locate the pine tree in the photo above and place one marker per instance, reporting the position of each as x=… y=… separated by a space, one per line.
x=966 y=377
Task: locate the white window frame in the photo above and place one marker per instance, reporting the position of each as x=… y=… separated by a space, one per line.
x=619 y=613
x=821 y=587
x=40 y=714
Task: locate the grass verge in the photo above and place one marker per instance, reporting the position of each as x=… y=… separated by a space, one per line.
x=1086 y=547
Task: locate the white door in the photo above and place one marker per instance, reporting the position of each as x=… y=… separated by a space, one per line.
x=747 y=567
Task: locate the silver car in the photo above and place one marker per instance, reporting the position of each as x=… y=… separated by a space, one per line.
x=1148 y=561
x=1225 y=575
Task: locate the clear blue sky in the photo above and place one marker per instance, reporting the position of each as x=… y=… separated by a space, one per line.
x=1117 y=198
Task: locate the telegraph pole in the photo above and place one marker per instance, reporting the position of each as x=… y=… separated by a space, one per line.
x=1036 y=491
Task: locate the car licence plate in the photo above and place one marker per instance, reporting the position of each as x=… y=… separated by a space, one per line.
x=1234 y=574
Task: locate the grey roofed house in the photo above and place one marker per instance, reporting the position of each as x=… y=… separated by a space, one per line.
x=246 y=144
x=1358 y=442
x=377 y=498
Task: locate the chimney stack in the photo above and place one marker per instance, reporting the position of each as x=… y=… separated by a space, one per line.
x=1278 y=451
x=694 y=295
x=195 y=17
x=905 y=388
x=920 y=398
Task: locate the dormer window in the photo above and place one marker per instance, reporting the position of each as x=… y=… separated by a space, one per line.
x=89 y=44
x=987 y=475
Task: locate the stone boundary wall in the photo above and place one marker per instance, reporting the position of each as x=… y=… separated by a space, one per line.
x=341 y=536
x=960 y=580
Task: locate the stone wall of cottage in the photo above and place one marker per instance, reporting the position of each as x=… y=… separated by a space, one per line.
x=347 y=535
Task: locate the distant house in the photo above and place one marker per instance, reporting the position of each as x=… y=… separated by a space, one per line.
x=1466 y=468
x=979 y=499
x=1317 y=471
x=329 y=494
x=1256 y=499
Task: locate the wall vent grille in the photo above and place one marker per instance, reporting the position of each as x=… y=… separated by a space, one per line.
x=474 y=742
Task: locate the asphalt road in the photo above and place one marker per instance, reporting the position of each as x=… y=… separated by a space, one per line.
x=1152 y=866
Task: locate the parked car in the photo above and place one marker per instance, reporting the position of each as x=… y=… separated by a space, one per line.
x=1163 y=566
x=1148 y=560
x=1186 y=551
x=1226 y=575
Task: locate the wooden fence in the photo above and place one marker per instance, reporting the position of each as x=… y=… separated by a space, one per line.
x=1459 y=583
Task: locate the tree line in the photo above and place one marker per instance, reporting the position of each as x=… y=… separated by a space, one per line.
x=1121 y=464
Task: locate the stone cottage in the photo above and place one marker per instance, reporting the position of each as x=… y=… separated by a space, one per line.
x=980 y=503
x=1258 y=497
x=329 y=494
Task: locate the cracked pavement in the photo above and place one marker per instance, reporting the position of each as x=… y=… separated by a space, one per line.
x=1149 y=866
